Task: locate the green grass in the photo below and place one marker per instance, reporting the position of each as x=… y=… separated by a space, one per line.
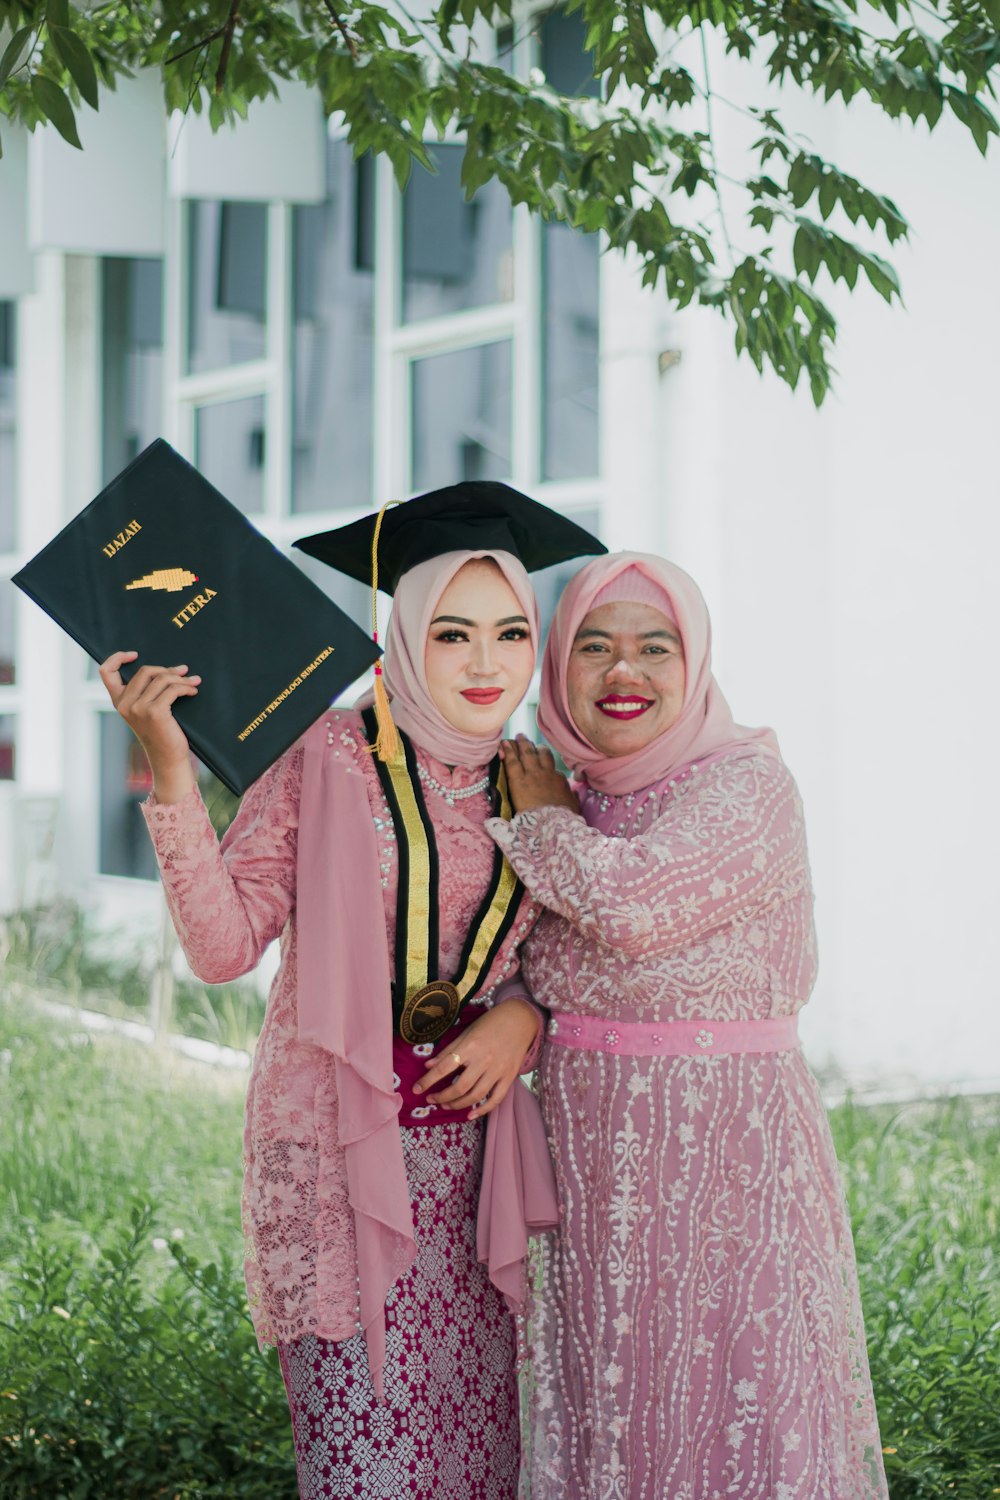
x=923 y=1186
x=89 y=1125
x=53 y=948
x=129 y=1372
x=128 y=1366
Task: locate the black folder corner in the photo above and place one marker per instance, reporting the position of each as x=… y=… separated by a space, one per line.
x=161 y=563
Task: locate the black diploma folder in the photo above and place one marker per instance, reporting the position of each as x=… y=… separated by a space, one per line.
x=162 y=564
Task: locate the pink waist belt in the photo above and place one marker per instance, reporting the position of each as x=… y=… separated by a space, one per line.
x=673 y=1038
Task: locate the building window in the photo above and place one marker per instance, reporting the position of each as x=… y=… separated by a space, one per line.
x=8 y=534
x=8 y=452
x=549 y=583
x=132 y=359
x=570 y=286
x=227 y=284
x=125 y=782
x=8 y=747
x=8 y=614
x=565 y=63
x=570 y=292
x=456 y=254
x=461 y=416
x=229 y=450
x=333 y=341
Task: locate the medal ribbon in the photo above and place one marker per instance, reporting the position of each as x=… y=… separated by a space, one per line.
x=417 y=909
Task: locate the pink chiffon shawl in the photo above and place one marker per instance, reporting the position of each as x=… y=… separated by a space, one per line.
x=705 y=726
x=345 y=990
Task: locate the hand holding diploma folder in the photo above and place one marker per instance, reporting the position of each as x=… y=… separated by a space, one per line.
x=160 y=563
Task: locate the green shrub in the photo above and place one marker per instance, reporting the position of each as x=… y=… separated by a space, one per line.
x=922 y=1185
x=108 y=1392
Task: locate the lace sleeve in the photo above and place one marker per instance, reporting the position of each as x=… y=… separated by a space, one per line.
x=229 y=901
x=733 y=845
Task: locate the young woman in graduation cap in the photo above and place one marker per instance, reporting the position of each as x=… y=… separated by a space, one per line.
x=394 y=1163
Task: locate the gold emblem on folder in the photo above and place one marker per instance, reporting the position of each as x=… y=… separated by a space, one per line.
x=172 y=580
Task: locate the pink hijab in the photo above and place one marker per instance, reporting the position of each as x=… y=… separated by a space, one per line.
x=344 y=1000
x=414 y=606
x=705 y=725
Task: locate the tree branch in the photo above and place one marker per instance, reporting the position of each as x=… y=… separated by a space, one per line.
x=711 y=152
x=206 y=41
x=351 y=47
x=228 y=31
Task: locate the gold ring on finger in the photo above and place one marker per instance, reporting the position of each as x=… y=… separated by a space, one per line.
x=456 y=1059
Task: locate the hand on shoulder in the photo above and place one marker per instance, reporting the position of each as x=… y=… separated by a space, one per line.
x=533 y=779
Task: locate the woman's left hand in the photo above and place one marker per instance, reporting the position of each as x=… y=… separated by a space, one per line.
x=533 y=779
x=485 y=1060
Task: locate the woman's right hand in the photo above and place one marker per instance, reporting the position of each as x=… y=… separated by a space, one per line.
x=146 y=702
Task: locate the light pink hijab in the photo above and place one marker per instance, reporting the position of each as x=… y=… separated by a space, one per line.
x=344 y=999
x=705 y=725
x=414 y=605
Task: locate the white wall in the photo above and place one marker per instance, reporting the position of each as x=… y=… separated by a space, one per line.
x=850 y=560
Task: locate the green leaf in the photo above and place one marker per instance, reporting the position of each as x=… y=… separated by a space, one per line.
x=805 y=253
x=55 y=106
x=827 y=194
x=882 y=276
x=12 y=52
x=77 y=61
x=57 y=12
x=801 y=180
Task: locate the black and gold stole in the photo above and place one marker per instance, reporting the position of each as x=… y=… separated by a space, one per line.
x=423 y=1007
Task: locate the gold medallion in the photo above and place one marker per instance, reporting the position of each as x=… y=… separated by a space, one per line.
x=429 y=1012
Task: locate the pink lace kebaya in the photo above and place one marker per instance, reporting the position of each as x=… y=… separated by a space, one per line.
x=696 y=1332
x=385 y=1236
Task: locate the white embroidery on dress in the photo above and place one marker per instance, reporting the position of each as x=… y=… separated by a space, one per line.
x=696 y=1330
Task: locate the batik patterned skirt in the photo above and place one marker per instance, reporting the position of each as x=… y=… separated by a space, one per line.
x=448 y=1429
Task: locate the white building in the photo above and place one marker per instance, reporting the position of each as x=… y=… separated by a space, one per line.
x=318 y=343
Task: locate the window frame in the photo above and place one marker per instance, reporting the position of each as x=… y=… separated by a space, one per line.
x=11 y=693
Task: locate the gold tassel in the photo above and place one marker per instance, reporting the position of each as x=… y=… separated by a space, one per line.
x=387 y=744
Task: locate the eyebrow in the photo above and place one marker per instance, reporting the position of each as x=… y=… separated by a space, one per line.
x=647 y=635
x=458 y=620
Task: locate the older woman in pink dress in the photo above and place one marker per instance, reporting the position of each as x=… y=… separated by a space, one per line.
x=385 y=1222
x=697 y=1332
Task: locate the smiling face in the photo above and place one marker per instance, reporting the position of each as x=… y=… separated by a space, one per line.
x=626 y=677
x=479 y=657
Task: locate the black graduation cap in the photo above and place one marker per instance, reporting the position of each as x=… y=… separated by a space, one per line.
x=479 y=514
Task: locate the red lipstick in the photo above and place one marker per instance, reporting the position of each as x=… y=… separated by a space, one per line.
x=624 y=705
x=484 y=696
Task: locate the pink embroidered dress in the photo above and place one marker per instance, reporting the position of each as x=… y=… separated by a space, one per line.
x=449 y=1425
x=697 y=1329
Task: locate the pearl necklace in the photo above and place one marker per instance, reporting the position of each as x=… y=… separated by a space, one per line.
x=452 y=794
